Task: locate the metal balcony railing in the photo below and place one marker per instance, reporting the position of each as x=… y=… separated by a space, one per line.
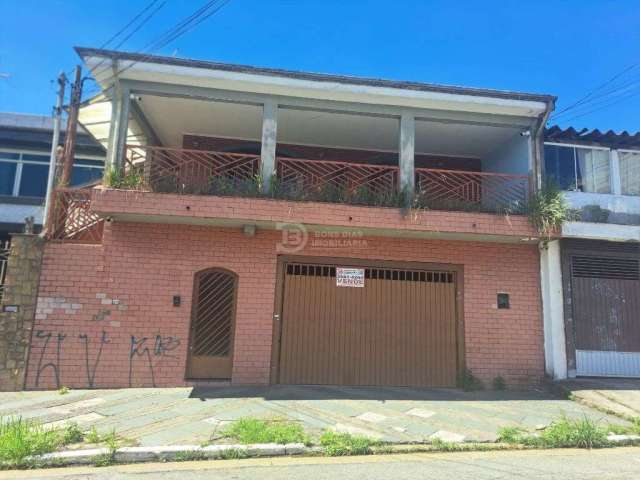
x=174 y=170
x=483 y=191
x=72 y=219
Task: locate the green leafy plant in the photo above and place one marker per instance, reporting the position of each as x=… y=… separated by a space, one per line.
x=21 y=439
x=468 y=381
x=548 y=210
x=253 y=430
x=562 y=433
x=112 y=444
x=93 y=436
x=130 y=179
x=511 y=435
x=583 y=433
x=71 y=434
x=340 y=444
x=499 y=383
x=63 y=390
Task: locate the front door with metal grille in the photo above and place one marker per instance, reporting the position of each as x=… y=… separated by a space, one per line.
x=212 y=325
x=606 y=308
x=390 y=326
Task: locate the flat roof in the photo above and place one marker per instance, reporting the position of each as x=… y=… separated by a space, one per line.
x=320 y=77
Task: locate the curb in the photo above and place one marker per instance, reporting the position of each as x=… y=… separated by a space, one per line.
x=172 y=453
x=214 y=452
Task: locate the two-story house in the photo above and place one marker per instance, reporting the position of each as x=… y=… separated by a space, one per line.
x=593 y=276
x=264 y=226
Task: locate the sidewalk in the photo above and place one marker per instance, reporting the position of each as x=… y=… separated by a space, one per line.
x=618 y=396
x=175 y=416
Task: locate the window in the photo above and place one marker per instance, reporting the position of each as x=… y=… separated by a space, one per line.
x=578 y=169
x=7 y=177
x=629 y=173
x=25 y=174
x=33 y=180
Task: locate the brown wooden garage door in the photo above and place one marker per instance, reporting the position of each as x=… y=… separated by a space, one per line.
x=399 y=329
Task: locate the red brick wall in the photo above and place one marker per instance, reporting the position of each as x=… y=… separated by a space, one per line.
x=124 y=288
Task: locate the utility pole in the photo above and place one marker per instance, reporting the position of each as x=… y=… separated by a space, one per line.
x=53 y=159
x=72 y=129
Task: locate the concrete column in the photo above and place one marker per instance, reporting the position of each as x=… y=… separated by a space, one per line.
x=118 y=128
x=555 y=352
x=269 y=140
x=407 y=153
x=616 y=183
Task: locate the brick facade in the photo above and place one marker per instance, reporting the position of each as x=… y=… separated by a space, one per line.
x=105 y=316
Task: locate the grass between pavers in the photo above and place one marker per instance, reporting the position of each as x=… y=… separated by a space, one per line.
x=22 y=441
x=568 y=433
x=253 y=430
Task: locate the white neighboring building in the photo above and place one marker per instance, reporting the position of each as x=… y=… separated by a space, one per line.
x=591 y=277
x=25 y=146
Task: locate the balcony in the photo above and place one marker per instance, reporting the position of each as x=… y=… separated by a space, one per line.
x=198 y=172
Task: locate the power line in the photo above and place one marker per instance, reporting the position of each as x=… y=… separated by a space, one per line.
x=134 y=31
x=590 y=96
x=116 y=35
x=184 y=26
x=603 y=105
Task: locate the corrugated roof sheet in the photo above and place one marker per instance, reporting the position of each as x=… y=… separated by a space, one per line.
x=591 y=137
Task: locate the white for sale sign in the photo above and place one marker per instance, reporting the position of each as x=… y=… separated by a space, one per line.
x=349 y=277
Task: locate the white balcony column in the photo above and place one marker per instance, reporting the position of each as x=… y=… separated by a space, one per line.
x=269 y=141
x=616 y=182
x=118 y=128
x=555 y=351
x=407 y=153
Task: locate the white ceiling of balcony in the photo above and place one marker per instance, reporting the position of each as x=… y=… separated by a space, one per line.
x=173 y=117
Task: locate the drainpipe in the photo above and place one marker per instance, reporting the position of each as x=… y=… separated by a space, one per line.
x=538 y=144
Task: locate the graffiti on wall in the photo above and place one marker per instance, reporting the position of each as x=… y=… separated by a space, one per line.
x=141 y=348
x=149 y=350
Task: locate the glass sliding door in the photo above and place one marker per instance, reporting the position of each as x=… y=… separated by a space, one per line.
x=630 y=173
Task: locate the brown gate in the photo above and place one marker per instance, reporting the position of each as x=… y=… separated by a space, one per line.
x=399 y=329
x=212 y=325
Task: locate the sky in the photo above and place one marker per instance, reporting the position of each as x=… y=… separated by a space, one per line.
x=564 y=48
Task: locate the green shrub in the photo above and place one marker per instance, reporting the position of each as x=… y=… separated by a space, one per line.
x=511 y=435
x=499 y=383
x=127 y=180
x=341 y=444
x=71 y=434
x=548 y=210
x=468 y=381
x=253 y=430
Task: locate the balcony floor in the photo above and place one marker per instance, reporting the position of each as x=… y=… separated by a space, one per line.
x=140 y=206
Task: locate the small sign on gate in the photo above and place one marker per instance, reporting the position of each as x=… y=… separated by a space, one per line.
x=349 y=277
